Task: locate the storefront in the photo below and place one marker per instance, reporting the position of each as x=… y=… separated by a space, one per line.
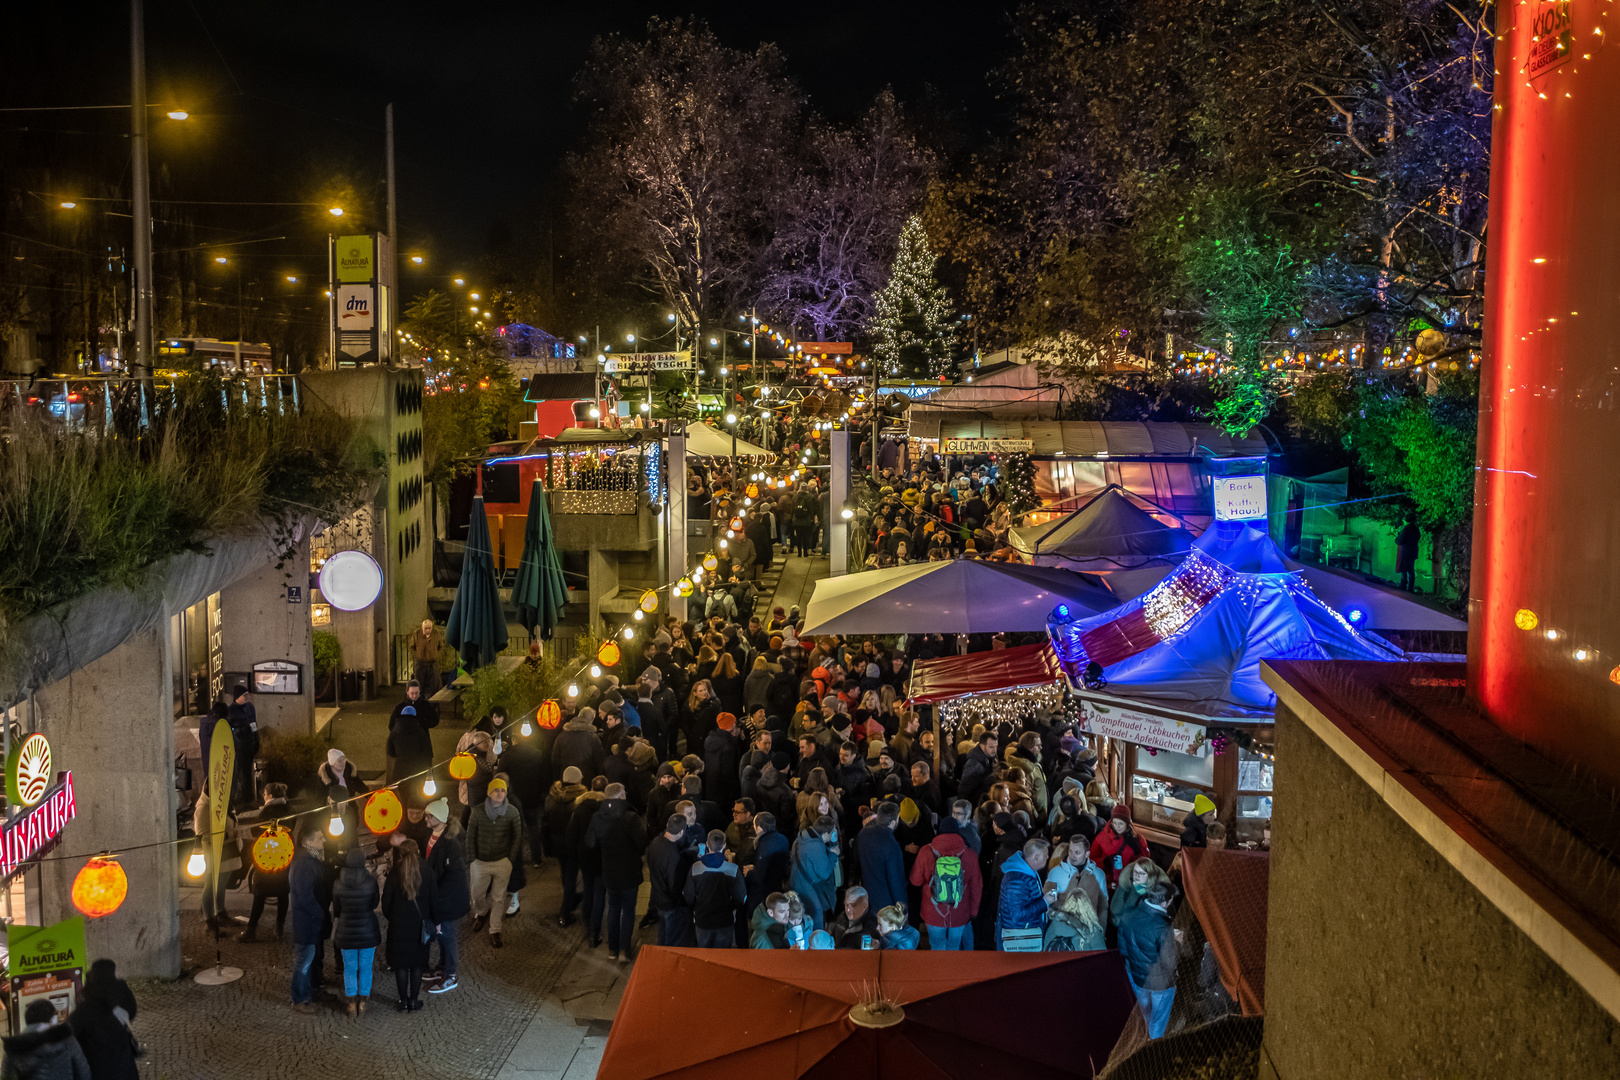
x=38 y=806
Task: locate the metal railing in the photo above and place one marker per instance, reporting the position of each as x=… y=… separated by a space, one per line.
x=117 y=403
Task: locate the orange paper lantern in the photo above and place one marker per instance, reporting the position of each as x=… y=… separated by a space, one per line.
x=462 y=766
x=736 y=524
x=549 y=715
x=384 y=812
x=273 y=850
x=608 y=654
x=753 y=491
x=100 y=887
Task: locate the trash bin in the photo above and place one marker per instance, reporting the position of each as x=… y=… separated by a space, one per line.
x=368 y=684
x=351 y=684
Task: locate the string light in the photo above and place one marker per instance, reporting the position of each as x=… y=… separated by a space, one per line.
x=335 y=827
x=429 y=788
x=197 y=863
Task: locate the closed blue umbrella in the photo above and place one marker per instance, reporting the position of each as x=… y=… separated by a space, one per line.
x=540 y=592
x=477 y=624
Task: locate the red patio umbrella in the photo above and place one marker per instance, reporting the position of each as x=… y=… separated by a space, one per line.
x=757 y=1014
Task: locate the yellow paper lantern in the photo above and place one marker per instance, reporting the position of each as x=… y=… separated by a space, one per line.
x=384 y=812
x=752 y=491
x=684 y=586
x=100 y=887
x=1525 y=619
x=463 y=766
x=711 y=562
x=736 y=524
x=273 y=850
x=608 y=654
x=549 y=715
x=648 y=601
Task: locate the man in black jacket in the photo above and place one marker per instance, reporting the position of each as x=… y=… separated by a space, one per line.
x=449 y=893
x=978 y=769
x=620 y=838
x=244 y=723
x=782 y=696
x=668 y=863
x=410 y=746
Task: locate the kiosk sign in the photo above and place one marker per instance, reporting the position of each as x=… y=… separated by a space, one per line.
x=46 y=963
x=1240 y=498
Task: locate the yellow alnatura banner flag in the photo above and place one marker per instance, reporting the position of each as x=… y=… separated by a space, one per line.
x=221 y=769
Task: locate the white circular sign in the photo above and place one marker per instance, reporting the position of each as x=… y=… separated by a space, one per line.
x=351 y=581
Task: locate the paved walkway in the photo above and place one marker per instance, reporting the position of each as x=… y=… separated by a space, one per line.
x=539 y=1009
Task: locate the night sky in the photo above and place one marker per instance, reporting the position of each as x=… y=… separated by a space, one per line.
x=285 y=95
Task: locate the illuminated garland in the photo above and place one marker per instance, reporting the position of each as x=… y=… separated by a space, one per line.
x=960 y=714
x=1199 y=579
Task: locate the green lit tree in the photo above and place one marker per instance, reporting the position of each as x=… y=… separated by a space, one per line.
x=1019 y=477
x=913 y=330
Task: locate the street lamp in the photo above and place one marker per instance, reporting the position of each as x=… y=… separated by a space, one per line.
x=178 y=114
x=335 y=211
x=69 y=205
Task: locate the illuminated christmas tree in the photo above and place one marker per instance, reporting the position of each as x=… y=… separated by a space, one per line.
x=913 y=331
x=1018 y=476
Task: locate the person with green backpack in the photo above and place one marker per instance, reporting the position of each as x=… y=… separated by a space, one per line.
x=948 y=874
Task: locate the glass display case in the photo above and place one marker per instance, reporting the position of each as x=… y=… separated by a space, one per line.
x=1253 y=797
x=1163 y=786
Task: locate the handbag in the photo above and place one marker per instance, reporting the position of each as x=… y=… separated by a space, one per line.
x=1026 y=940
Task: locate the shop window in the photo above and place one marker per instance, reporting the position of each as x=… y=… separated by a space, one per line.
x=1254 y=797
x=1163 y=786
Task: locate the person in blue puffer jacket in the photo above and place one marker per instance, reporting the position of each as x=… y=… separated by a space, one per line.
x=1023 y=900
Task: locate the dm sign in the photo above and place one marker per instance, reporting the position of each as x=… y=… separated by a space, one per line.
x=46 y=962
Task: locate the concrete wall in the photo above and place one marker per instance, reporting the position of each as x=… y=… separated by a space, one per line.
x=108 y=725
x=1383 y=961
x=261 y=625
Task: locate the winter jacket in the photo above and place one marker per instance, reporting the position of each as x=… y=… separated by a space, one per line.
x=619 y=837
x=590 y=859
x=1114 y=852
x=554 y=819
x=410 y=743
x=848 y=933
x=765 y=932
x=48 y=1054
x=103 y=1038
x=771 y=866
x=906 y=937
x=883 y=865
x=978 y=772
x=714 y=891
x=525 y=770
x=578 y=745
x=667 y=866
x=1037 y=778
x=492 y=837
x=813 y=869
x=774 y=795
x=720 y=780
x=922 y=875
x=1149 y=947
x=782 y=695
x=444 y=877
x=310 y=891
x=1021 y=904
x=406 y=919
x=354 y=906
x=968 y=832
x=756 y=690
x=855 y=781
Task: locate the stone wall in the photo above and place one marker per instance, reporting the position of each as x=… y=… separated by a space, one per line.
x=1383 y=961
x=260 y=624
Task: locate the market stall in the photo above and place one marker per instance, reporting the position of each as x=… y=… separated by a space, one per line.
x=705 y=441
x=1171 y=680
x=1109 y=533
x=986 y=688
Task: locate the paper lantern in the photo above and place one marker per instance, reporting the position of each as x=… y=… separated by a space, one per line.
x=383 y=812
x=549 y=715
x=736 y=524
x=273 y=850
x=462 y=766
x=648 y=601
x=1525 y=619
x=684 y=586
x=100 y=887
x=608 y=654
x=711 y=562
x=752 y=491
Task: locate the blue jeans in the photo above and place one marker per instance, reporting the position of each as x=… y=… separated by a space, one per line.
x=303 y=961
x=675 y=927
x=950 y=939
x=1155 y=1006
x=357 y=971
x=621 y=919
x=723 y=938
x=447 y=946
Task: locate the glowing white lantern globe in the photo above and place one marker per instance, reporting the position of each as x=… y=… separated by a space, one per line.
x=351 y=581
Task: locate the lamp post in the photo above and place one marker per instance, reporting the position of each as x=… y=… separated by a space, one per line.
x=140 y=189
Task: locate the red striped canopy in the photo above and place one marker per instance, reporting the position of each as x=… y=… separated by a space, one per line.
x=983 y=673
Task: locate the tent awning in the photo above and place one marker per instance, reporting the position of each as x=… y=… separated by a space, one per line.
x=959 y=596
x=705 y=441
x=1109 y=532
x=983 y=673
x=1228 y=891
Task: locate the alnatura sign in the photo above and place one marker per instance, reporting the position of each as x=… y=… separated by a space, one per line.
x=36 y=832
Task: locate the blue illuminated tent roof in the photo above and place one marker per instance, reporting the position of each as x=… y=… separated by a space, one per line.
x=1196 y=640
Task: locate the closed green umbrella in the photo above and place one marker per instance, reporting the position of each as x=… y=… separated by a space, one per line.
x=540 y=592
x=477 y=624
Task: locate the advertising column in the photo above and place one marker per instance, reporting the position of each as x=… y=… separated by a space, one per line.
x=362 y=300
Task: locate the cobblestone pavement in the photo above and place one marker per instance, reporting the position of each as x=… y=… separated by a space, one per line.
x=538 y=1009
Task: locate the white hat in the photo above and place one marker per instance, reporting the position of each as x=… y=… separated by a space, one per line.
x=439 y=810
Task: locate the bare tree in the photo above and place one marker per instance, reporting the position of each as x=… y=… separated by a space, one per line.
x=839 y=222
x=688 y=149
